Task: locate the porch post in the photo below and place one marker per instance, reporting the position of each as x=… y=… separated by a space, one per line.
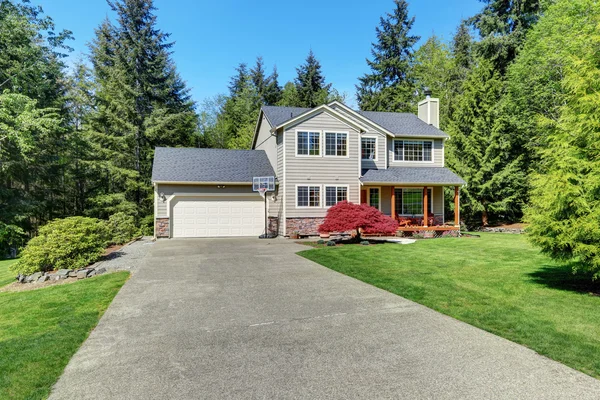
x=425 y=208
x=456 y=206
x=393 y=197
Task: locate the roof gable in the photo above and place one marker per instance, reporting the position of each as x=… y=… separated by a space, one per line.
x=309 y=113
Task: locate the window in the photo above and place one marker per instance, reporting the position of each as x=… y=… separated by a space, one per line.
x=413 y=150
x=410 y=201
x=374 y=197
x=369 y=148
x=309 y=143
x=309 y=196
x=336 y=144
x=335 y=194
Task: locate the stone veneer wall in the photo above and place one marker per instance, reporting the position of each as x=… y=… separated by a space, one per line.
x=273 y=225
x=306 y=226
x=162 y=227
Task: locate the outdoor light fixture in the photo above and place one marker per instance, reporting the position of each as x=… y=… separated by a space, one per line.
x=220 y=186
x=162 y=196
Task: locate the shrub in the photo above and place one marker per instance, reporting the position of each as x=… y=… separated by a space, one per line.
x=365 y=243
x=345 y=216
x=122 y=228
x=331 y=243
x=67 y=243
x=11 y=239
x=320 y=241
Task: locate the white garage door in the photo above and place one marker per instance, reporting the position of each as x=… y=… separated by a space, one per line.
x=218 y=216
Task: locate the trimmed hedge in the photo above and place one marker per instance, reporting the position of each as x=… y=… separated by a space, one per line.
x=67 y=243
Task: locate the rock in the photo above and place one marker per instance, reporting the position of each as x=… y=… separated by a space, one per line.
x=42 y=278
x=72 y=274
x=100 y=270
x=91 y=273
x=34 y=277
x=52 y=276
x=21 y=278
x=63 y=272
x=82 y=274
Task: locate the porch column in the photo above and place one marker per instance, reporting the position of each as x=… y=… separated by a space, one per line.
x=393 y=197
x=425 y=208
x=456 y=206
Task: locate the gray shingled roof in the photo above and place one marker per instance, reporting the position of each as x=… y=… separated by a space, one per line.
x=413 y=175
x=400 y=124
x=209 y=165
x=403 y=124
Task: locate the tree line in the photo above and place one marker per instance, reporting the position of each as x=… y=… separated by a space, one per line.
x=518 y=84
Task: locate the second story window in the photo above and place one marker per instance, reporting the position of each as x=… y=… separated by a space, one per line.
x=308 y=143
x=336 y=144
x=368 y=148
x=413 y=150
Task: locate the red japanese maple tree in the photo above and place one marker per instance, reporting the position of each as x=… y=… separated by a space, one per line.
x=346 y=216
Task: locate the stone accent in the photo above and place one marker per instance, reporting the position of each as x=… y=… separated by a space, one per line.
x=502 y=230
x=307 y=226
x=273 y=226
x=162 y=227
x=81 y=273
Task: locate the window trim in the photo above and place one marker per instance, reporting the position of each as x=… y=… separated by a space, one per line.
x=328 y=185
x=325 y=132
x=320 y=132
x=376 y=147
x=402 y=200
x=414 y=140
x=369 y=195
x=309 y=185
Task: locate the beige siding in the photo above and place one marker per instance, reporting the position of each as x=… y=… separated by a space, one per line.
x=267 y=142
x=380 y=162
x=320 y=170
x=438 y=154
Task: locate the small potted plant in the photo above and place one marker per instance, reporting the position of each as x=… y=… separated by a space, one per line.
x=295 y=235
x=324 y=235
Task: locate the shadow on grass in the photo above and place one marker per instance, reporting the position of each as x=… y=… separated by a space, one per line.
x=562 y=277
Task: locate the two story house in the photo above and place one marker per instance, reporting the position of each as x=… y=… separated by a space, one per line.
x=319 y=157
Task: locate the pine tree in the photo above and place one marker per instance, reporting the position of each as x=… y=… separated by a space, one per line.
x=272 y=91
x=389 y=86
x=258 y=77
x=479 y=153
x=462 y=47
x=310 y=83
x=289 y=96
x=142 y=104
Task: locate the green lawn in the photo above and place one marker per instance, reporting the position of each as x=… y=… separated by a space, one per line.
x=497 y=282
x=6 y=277
x=40 y=330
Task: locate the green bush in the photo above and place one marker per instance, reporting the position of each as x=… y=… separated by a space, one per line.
x=11 y=239
x=121 y=228
x=365 y=242
x=147 y=225
x=331 y=243
x=67 y=243
x=320 y=241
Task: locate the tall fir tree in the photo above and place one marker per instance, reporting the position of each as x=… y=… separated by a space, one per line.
x=142 y=103
x=310 y=83
x=272 y=92
x=389 y=86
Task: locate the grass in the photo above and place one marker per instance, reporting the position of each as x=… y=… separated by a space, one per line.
x=497 y=282
x=6 y=276
x=41 y=329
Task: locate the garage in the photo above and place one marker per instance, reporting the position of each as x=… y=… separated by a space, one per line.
x=218 y=216
x=202 y=193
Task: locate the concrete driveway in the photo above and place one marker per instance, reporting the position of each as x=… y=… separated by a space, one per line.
x=247 y=318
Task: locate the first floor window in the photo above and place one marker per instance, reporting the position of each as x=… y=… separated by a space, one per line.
x=368 y=148
x=410 y=201
x=413 y=150
x=336 y=144
x=308 y=143
x=309 y=196
x=374 y=197
x=335 y=194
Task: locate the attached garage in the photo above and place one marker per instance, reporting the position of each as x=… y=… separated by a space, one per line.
x=208 y=192
x=218 y=216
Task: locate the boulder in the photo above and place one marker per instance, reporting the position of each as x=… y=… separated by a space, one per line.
x=35 y=276
x=63 y=272
x=42 y=278
x=72 y=274
x=100 y=270
x=91 y=273
x=82 y=274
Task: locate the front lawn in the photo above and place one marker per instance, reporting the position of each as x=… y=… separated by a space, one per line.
x=497 y=282
x=6 y=276
x=41 y=329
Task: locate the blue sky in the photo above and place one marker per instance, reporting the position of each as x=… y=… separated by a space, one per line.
x=212 y=37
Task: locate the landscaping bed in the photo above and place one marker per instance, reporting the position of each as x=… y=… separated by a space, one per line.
x=498 y=282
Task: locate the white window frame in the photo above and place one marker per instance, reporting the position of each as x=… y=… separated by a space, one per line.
x=309 y=185
x=330 y=185
x=413 y=140
x=320 y=132
x=376 y=148
x=402 y=200
x=369 y=195
x=325 y=132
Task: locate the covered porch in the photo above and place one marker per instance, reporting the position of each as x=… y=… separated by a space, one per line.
x=413 y=196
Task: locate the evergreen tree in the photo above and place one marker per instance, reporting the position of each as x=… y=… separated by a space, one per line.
x=480 y=154
x=289 y=96
x=389 y=86
x=272 y=92
x=310 y=83
x=142 y=104
x=258 y=77
x=462 y=47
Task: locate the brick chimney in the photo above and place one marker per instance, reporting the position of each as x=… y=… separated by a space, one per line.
x=429 y=109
